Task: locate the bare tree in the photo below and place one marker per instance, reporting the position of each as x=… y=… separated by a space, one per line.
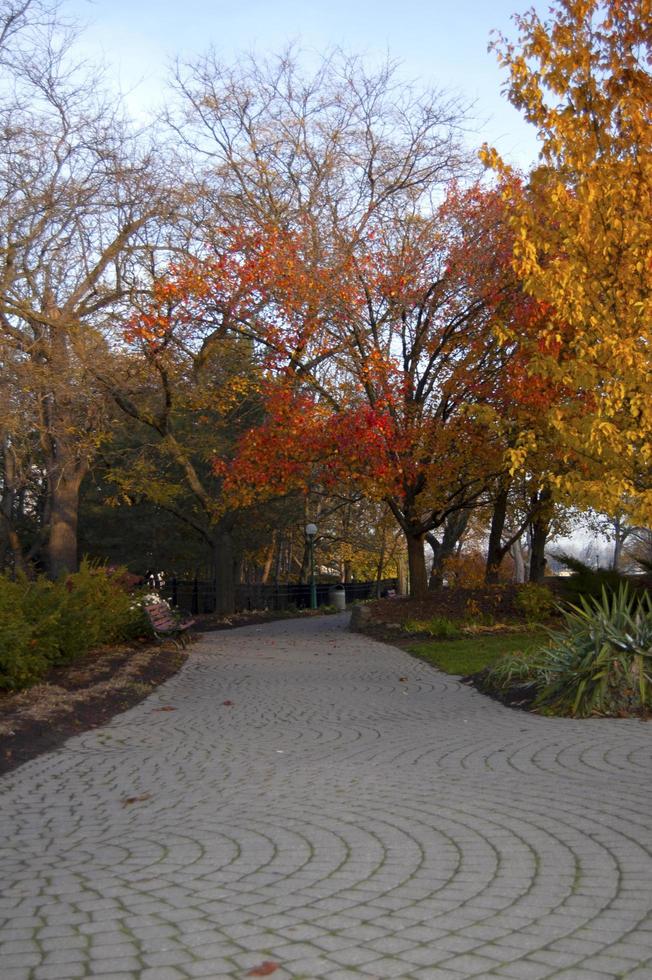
x=269 y=141
x=80 y=211
x=22 y=24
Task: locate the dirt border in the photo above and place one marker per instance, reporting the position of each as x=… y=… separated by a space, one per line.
x=74 y=699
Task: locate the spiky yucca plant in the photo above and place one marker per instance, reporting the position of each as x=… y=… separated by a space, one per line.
x=602 y=661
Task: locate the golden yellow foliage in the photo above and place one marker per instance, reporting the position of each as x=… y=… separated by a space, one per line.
x=583 y=231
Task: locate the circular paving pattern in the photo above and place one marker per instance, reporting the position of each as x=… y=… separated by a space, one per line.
x=306 y=811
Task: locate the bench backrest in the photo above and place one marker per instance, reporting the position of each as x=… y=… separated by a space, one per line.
x=160 y=616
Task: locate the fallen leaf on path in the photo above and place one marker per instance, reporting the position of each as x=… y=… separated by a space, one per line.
x=128 y=800
x=264 y=969
x=403 y=680
x=166 y=707
x=228 y=704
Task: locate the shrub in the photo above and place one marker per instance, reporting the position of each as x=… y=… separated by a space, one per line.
x=534 y=602
x=23 y=659
x=587 y=581
x=473 y=610
x=602 y=661
x=94 y=609
x=43 y=623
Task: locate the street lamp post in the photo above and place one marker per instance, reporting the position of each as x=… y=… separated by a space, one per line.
x=311 y=531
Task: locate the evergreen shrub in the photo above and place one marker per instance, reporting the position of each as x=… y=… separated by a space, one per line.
x=44 y=624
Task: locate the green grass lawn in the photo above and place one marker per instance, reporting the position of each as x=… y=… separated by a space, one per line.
x=469 y=654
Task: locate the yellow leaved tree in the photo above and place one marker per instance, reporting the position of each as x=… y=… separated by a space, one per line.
x=583 y=242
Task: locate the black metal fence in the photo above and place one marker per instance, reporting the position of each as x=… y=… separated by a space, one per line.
x=199 y=597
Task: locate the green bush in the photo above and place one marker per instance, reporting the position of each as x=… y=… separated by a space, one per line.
x=534 y=602
x=23 y=657
x=44 y=624
x=602 y=661
x=94 y=609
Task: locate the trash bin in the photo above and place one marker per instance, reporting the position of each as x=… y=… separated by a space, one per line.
x=337 y=597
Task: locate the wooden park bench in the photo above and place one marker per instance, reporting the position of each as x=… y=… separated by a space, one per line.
x=165 y=625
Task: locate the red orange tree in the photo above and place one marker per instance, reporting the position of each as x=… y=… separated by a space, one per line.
x=381 y=361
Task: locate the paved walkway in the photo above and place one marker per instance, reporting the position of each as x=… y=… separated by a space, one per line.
x=323 y=802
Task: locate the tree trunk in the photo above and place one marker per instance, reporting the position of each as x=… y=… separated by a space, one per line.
x=417 y=565
x=279 y=558
x=10 y=505
x=269 y=559
x=537 y=557
x=290 y=560
x=516 y=552
x=223 y=572
x=401 y=585
x=539 y=529
x=345 y=563
x=495 y=551
x=64 y=514
x=454 y=528
x=618 y=548
x=381 y=564
x=621 y=532
x=12 y=545
x=436 y=580
x=304 y=568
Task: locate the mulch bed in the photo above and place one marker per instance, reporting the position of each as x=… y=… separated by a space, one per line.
x=384 y=619
x=518 y=696
x=209 y=622
x=84 y=695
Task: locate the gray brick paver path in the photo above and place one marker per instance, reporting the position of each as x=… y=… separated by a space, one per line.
x=334 y=820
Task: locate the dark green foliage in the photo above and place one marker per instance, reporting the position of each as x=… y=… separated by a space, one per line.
x=44 y=624
x=137 y=534
x=587 y=581
x=25 y=652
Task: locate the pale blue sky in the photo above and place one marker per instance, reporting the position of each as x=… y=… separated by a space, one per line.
x=437 y=42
